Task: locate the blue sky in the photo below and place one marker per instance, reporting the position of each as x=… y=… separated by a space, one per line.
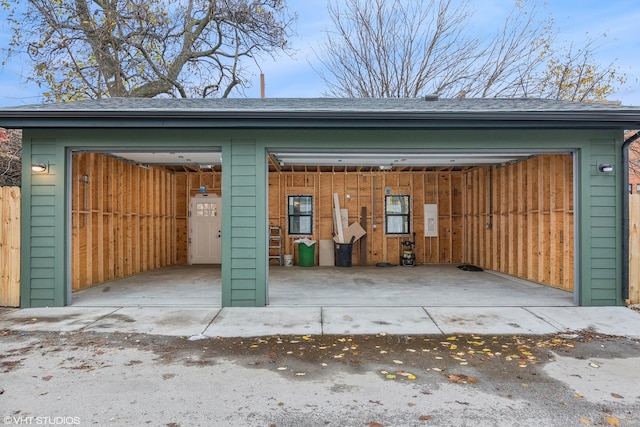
x=295 y=77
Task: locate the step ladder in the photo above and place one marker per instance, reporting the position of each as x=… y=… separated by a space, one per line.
x=275 y=244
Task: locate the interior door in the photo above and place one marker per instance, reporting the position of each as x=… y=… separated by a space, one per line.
x=205 y=230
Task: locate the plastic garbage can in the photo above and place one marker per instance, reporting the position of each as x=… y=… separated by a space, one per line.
x=306 y=255
x=343 y=254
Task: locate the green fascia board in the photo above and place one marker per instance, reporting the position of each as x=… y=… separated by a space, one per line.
x=258 y=142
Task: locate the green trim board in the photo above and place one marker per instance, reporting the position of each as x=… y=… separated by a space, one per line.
x=245 y=136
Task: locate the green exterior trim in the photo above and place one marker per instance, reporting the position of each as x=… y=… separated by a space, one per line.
x=46 y=235
x=244 y=265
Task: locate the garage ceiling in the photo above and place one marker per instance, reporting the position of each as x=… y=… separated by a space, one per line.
x=324 y=160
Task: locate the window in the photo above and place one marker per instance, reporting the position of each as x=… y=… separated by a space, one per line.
x=396 y=214
x=206 y=209
x=637 y=189
x=300 y=214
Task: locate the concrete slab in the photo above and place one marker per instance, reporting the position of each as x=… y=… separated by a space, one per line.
x=59 y=319
x=605 y=320
x=489 y=321
x=173 y=321
x=265 y=321
x=374 y=320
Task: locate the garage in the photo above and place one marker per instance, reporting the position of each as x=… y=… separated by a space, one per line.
x=528 y=189
x=130 y=214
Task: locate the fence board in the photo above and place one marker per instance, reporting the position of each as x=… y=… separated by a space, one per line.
x=10 y=246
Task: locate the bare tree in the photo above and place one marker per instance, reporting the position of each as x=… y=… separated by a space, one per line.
x=146 y=48
x=10 y=157
x=405 y=48
x=382 y=48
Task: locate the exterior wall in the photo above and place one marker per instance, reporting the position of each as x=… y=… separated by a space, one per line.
x=600 y=225
x=244 y=207
x=43 y=271
x=46 y=208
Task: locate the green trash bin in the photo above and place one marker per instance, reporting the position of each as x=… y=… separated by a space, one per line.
x=306 y=254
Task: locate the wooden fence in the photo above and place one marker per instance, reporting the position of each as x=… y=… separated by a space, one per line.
x=9 y=246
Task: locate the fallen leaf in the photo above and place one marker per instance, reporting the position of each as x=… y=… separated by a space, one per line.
x=47 y=378
x=594 y=365
x=578 y=395
x=425 y=418
x=411 y=377
x=617 y=396
x=398 y=362
x=411 y=404
x=300 y=374
x=391 y=377
x=585 y=421
x=282 y=368
x=612 y=421
x=374 y=424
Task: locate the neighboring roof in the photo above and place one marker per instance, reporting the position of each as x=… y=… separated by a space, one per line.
x=323 y=112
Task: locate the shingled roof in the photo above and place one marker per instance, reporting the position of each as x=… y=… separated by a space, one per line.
x=428 y=112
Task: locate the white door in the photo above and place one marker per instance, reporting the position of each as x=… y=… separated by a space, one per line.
x=205 y=230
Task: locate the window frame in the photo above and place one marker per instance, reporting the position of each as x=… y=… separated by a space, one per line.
x=389 y=215
x=292 y=216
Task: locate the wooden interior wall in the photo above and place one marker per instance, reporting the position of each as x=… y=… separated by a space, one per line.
x=367 y=189
x=519 y=219
x=127 y=219
x=123 y=219
x=188 y=184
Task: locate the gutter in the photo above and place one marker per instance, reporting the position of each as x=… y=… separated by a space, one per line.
x=322 y=118
x=625 y=214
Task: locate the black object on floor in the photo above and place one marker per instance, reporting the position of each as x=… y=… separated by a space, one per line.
x=469 y=267
x=385 y=264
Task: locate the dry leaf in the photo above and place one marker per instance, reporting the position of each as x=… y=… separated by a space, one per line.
x=612 y=421
x=578 y=395
x=398 y=362
x=617 y=396
x=585 y=421
x=374 y=424
x=594 y=365
x=47 y=378
x=425 y=418
x=300 y=374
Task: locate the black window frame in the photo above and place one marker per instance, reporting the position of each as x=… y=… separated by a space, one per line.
x=390 y=215
x=292 y=215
